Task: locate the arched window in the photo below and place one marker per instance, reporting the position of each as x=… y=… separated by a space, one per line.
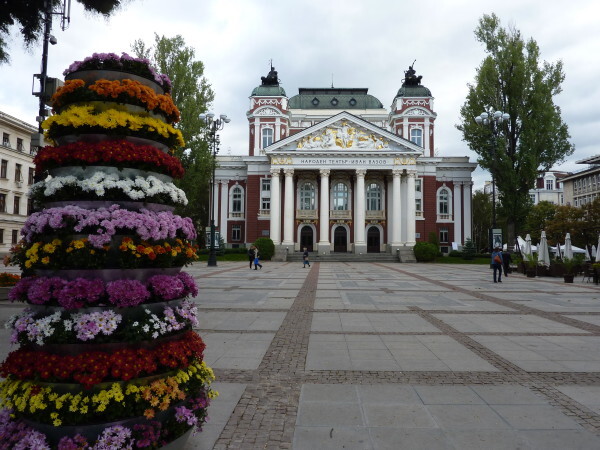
x=373 y=197
x=307 y=196
x=416 y=136
x=267 y=137
x=444 y=203
x=340 y=197
x=237 y=199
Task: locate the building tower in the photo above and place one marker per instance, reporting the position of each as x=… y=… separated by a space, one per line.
x=268 y=115
x=412 y=115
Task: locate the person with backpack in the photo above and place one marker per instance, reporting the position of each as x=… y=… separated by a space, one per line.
x=497 y=263
x=256 y=259
x=305 y=260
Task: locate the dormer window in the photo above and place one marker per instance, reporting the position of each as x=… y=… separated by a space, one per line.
x=334 y=101
x=315 y=101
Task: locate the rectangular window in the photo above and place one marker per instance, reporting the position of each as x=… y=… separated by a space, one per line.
x=18 y=175
x=267 y=137
x=236 y=232
x=418 y=185
x=549 y=185
x=3 y=168
x=443 y=234
x=2 y=202
x=31 y=177
x=532 y=198
x=416 y=136
x=265 y=194
x=1 y=236
x=15 y=236
x=17 y=205
x=20 y=145
x=418 y=205
x=29 y=206
x=6 y=139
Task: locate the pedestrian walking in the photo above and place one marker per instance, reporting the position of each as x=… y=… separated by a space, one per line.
x=497 y=263
x=305 y=260
x=251 y=255
x=257 y=259
x=506 y=260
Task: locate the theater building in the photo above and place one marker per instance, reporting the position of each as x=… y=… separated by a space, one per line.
x=332 y=170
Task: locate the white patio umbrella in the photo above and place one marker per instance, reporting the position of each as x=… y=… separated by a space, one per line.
x=558 y=251
x=568 y=247
x=543 y=253
x=527 y=247
x=594 y=252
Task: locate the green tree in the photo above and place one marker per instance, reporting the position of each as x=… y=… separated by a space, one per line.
x=192 y=94
x=512 y=79
x=482 y=219
x=591 y=227
x=567 y=219
x=538 y=218
x=28 y=15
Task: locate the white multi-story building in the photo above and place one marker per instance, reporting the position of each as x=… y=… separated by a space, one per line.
x=583 y=187
x=548 y=188
x=16 y=175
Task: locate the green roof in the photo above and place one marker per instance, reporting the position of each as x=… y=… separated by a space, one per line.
x=268 y=91
x=334 y=98
x=413 y=91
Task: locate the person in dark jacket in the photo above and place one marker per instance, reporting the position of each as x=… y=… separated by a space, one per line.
x=506 y=260
x=251 y=255
x=497 y=263
x=305 y=260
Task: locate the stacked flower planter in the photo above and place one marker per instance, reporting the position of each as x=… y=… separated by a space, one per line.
x=107 y=356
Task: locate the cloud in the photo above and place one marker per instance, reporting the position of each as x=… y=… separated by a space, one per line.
x=357 y=43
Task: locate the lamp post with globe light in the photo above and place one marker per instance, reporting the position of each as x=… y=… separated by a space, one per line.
x=213 y=125
x=494 y=122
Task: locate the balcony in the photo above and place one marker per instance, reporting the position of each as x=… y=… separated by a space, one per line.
x=418 y=213
x=340 y=214
x=264 y=212
x=444 y=218
x=236 y=215
x=375 y=214
x=306 y=214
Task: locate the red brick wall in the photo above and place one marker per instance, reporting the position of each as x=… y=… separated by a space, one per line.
x=252 y=207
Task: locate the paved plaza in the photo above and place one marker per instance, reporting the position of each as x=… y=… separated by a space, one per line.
x=396 y=356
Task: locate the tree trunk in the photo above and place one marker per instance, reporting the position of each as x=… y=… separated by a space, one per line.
x=510 y=232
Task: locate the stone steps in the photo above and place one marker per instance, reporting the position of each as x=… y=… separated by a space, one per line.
x=344 y=257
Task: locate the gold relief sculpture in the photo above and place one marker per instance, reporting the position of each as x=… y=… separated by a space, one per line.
x=343 y=136
x=405 y=160
x=281 y=160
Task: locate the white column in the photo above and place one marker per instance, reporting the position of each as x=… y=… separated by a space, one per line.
x=396 y=205
x=467 y=209
x=457 y=211
x=360 y=246
x=275 y=230
x=224 y=208
x=324 y=245
x=288 y=214
x=389 y=209
x=410 y=208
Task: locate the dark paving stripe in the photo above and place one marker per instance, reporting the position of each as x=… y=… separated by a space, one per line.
x=265 y=415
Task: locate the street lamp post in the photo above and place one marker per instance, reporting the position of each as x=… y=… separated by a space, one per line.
x=213 y=125
x=493 y=121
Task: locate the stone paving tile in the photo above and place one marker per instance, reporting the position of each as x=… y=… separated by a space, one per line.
x=498 y=323
x=252 y=320
x=586 y=395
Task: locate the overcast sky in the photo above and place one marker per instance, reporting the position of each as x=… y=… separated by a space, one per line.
x=356 y=43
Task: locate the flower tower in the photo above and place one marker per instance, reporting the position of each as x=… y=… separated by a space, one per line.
x=107 y=355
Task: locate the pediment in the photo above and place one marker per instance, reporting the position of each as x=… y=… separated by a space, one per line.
x=344 y=132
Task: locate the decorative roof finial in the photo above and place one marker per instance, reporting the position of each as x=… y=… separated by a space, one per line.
x=271 y=79
x=410 y=77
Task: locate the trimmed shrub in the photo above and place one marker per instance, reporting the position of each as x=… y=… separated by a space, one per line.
x=425 y=251
x=266 y=248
